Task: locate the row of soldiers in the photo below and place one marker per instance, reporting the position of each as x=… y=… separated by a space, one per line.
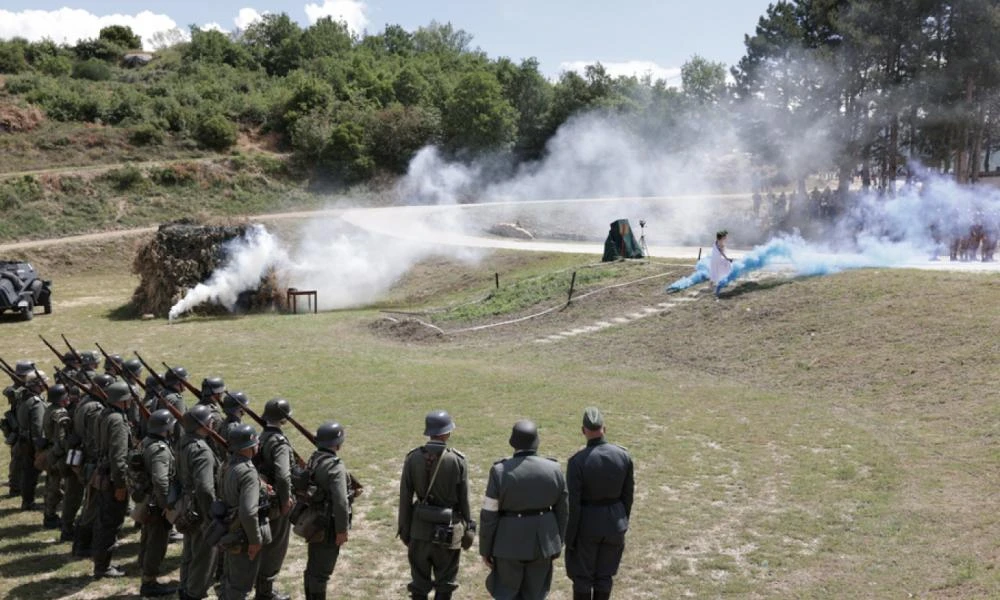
x=107 y=440
x=104 y=439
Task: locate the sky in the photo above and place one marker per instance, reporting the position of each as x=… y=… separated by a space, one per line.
x=629 y=37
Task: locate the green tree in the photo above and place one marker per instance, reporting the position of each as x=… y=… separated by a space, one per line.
x=477 y=117
x=12 y=58
x=122 y=36
x=703 y=81
x=275 y=41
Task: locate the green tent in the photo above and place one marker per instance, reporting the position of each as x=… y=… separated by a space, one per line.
x=621 y=243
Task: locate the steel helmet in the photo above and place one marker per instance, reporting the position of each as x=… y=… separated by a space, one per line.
x=524 y=435
x=330 y=435
x=199 y=415
x=235 y=401
x=438 y=422
x=277 y=409
x=161 y=422
x=241 y=437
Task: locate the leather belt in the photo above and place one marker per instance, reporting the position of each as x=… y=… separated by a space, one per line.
x=526 y=513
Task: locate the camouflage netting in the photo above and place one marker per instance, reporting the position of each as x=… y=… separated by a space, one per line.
x=183 y=254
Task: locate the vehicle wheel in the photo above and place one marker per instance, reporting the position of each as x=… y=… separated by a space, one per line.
x=47 y=307
x=28 y=313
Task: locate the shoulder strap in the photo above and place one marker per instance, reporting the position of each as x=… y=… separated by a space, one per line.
x=434 y=475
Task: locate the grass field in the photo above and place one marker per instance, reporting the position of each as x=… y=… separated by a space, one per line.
x=831 y=437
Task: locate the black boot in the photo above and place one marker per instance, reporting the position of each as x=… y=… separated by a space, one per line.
x=599 y=595
x=51 y=522
x=265 y=591
x=442 y=595
x=582 y=596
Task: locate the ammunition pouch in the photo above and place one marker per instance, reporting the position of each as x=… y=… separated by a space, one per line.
x=218 y=527
x=41 y=462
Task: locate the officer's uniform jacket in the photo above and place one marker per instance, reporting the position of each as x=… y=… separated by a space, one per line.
x=30 y=414
x=601 y=484
x=241 y=493
x=525 y=509
x=160 y=468
x=330 y=476
x=115 y=439
x=275 y=461
x=450 y=490
x=197 y=471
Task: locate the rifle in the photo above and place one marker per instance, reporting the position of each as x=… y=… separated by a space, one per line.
x=45 y=386
x=173 y=409
x=53 y=349
x=354 y=487
x=71 y=348
x=92 y=389
x=126 y=377
x=187 y=384
x=17 y=379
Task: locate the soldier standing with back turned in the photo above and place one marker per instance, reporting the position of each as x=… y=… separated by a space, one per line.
x=114 y=442
x=275 y=464
x=197 y=469
x=30 y=414
x=330 y=476
x=600 y=480
x=523 y=519
x=240 y=492
x=438 y=477
x=158 y=459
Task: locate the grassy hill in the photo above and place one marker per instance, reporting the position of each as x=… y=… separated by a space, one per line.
x=807 y=438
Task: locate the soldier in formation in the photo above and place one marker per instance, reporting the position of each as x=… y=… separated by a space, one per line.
x=332 y=498
x=275 y=465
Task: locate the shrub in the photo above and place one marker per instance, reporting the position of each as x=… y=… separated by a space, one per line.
x=92 y=69
x=215 y=132
x=125 y=178
x=147 y=134
x=56 y=66
x=12 y=57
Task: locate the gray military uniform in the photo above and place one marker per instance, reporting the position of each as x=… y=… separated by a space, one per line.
x=275 y=460
x=523 y=524
x=241 y=494
x=30 y=414
x=197 y=471
x=159 y=461
x=78 y=482
x=432 y=566
x=601 y=485
x=115 y=439
x=55 y=427
x=330 y=476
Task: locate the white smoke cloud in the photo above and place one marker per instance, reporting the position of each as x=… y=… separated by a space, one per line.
x=352 y=12
x=630 y=68
x=70 y=25
x=250 y=258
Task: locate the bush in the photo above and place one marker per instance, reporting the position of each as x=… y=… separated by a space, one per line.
x=125 y=178
x=12 y=57
x=92 y=69
x=56 y=66
x=146 y=135
x=172 y=175
x=215 y=132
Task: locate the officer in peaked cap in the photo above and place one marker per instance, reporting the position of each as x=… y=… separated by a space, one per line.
x=600 y=480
